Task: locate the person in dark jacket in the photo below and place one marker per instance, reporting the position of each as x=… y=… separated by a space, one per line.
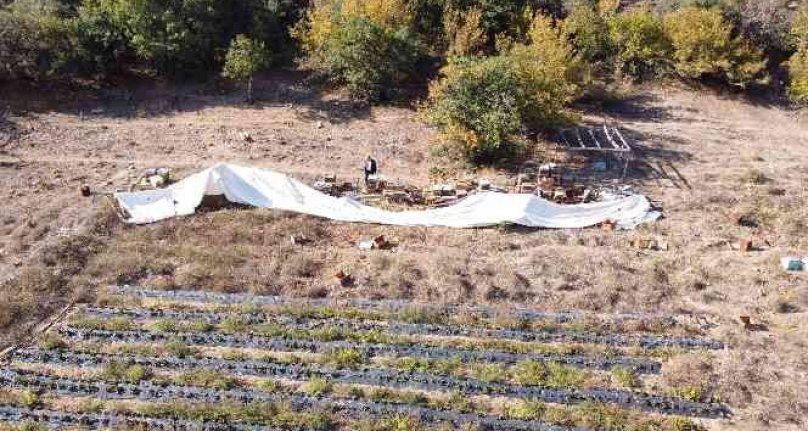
x=370 y=168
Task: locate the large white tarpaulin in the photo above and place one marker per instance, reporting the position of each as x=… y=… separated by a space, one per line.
x=264 y=188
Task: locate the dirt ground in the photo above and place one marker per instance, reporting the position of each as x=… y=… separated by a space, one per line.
x=702 y=156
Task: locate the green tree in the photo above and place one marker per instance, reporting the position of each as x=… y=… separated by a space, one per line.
x=547 y=71
x=34 y=39
x=798 y=76
x=366 y=58
x=642 y=46
x=589 y=33
x=703 y=45
x=244 y=58
x=798 y=64
x=480 y=107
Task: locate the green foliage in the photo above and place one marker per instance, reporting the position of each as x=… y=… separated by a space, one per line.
x=102 y=35
x=234 y=324
x=244 y=57
x=166 y=325
x=344 y=358
x=118 y=371
x=799 y=27
x=642 y=47
x=529 y=410
x=489 y=372
x=480 y=106
x=535 y=373
x=703 y=45
x=318 y=387
x=207 y=378
x=483 y=105
x=367 y=58
x=34 y=40
x=179 y=349
x=589 y=33
x=30 y=399
x=798 y=76
x=690 y=393
x=547 y=71
x=625 y=376
x=51 y=341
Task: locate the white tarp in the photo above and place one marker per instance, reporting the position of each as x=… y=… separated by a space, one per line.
x=264 y=188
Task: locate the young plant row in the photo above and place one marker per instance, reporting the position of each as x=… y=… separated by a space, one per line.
x=149 y=391
x=395 y=379
x=59 y=419
x=291 y=325
x=368 y=350
x=431 y=311
x=257 y=314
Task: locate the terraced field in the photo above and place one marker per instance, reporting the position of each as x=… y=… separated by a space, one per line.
x=147 y=359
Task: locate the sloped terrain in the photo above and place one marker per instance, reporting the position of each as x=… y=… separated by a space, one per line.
x=197 y=360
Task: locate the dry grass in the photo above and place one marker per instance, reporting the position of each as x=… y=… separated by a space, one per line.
x=733 y=158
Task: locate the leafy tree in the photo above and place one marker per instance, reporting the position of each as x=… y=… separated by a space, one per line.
x=799 y=27
x=798 y=76
x=703 y=45
x=589 y=33
x=642 y=46
x=547 y=70
x=243 y=59
x=798 y=64
x=479 y=106
x=465 y=35
x=102 y=34
x=364 y=45
x=34 y=39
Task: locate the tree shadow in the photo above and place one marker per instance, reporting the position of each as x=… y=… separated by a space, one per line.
x=149 y=97
x=652 y=159
x=8 y=129
x=636 y=107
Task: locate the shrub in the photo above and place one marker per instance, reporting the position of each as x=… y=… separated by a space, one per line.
x=344 y=358
x=464 y=32
x=798 y=64
x=364 y=45
x=366 y=58
x=547 y=71
x=798 y=76
x=589 y=32
x=51 y=341
x=102 y=35
x=479 y=106
x=642 y=47
x=34 y=40
x=30 y=399
x=765 y=23
x=243 y=59
x=317 y=387
x=703 y=45
x=799 y=27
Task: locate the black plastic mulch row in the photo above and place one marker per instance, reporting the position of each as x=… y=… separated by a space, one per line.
x=149 y=391
x=57 y=420
x=385 y=304
x=215 y=339
x=549 y=335
x=397 y=379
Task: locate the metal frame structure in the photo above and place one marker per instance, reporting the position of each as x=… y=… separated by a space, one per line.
x=607 y=139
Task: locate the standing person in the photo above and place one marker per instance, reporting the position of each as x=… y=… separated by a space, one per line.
x=370 y=168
